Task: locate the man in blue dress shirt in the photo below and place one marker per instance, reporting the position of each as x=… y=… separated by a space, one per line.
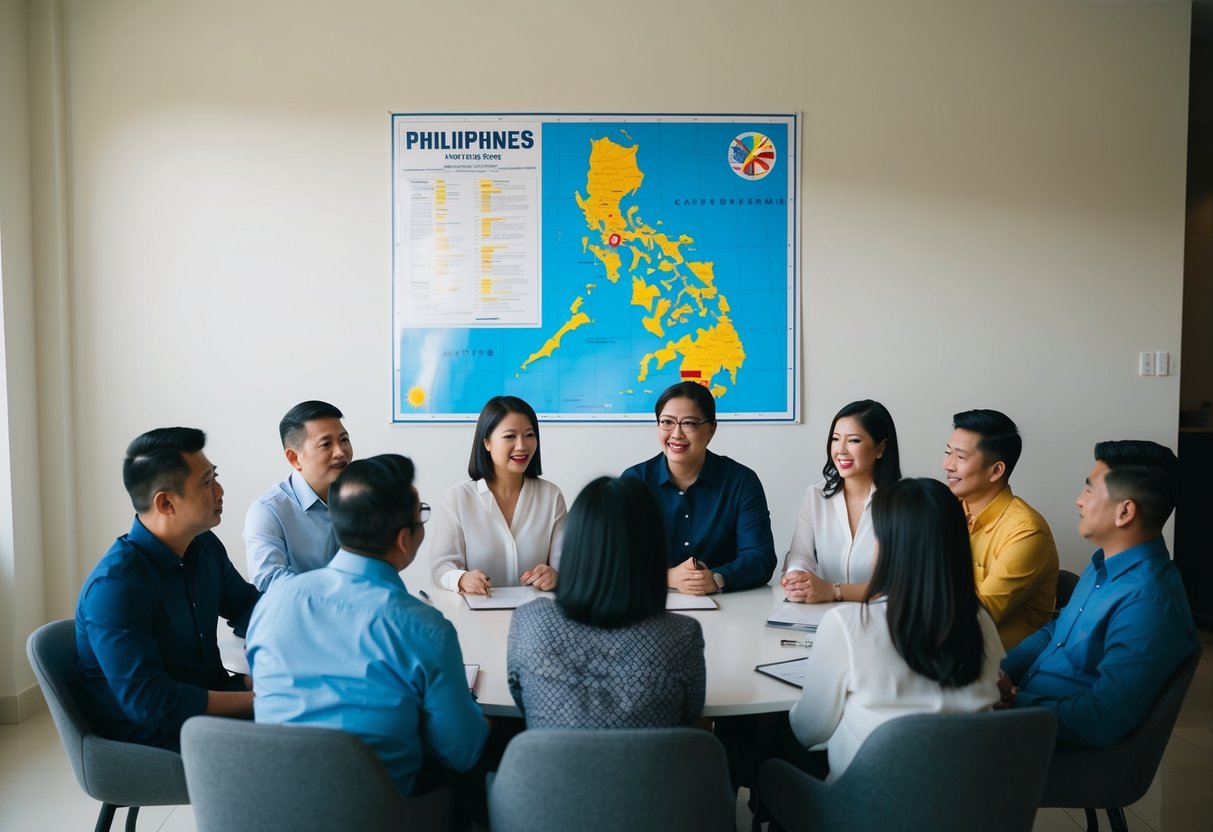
x=147 y=614
x=1126 y=629
x=288 y=530
x=347 y=646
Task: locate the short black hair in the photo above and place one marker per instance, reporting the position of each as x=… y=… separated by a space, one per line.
x=371 y=501
x=480 y=465
x=693 y=390
x=924 y=566
x=998 y=439
x=878 y=422
x=613 y=560
x=1146 y=473
x=155 y=462
x=293 y=427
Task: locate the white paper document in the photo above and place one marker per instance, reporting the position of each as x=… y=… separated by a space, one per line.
x=792 y=671
x=678 y=601
x=471 y=670
x=801 y=616
x=505 y=598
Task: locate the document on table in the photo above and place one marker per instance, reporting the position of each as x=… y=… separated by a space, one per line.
x=678 y=601
x=801 y=616
x=791 y=671
x=471 y=670
x=505 y=598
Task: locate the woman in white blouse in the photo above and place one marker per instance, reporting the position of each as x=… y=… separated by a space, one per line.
x=504 y=526
x=833 y=551
x=920 y=642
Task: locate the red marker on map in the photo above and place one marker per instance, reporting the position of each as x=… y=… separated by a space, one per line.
x=614 y=240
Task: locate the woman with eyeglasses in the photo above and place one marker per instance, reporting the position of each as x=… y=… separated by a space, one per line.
x=713 y=508
x=833 y=550
x=504 y=525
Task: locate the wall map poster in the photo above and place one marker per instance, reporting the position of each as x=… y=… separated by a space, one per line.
x=585 y=262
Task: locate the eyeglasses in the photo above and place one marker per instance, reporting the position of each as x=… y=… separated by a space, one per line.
x=425 y=516
x=688 y=425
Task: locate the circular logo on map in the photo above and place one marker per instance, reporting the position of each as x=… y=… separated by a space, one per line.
x=751 y=155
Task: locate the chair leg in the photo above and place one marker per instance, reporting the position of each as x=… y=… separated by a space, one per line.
x=1092 y=820
x=1116 y=819
x=106 y=819
x=132 y=817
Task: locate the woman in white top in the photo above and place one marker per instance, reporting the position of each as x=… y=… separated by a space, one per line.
x=504 y=526
x=919 y=643
x=833 y=551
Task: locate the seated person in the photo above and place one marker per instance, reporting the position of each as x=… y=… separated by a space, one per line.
x=919 y=643
x=833 y=551
x=1101 y=664
x=503 y=526
x=147 y=614
x=606 y=654
x=288 y=531
x=346 y=646
x=713 y=508
x=1014 y=556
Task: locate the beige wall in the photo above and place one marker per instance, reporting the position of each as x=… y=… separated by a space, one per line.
x=992 y=195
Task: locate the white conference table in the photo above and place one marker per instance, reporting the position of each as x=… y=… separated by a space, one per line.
x=735 y=636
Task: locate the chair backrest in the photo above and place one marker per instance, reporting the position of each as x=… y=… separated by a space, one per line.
x=1121 y=774
x=52 y=654
x=943 y=771
x=1066 y=581
x=244 y=775
x=599 y=780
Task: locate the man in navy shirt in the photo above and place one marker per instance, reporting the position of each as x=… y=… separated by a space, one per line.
x=147 y=614
x=1101 y=664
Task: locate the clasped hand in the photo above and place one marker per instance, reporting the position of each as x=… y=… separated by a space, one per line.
x=806 y=588
x=691 y=578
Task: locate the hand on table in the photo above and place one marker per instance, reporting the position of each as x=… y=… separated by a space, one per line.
x=691 y=578
x=475 y=582
x=542 y=577
x=806 y=588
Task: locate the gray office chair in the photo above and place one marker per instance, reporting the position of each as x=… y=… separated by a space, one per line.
x=284 y=778
x=1112 y=778
x=116 y=773
x=1066 y=581
x=605 y=780
x=925 y=771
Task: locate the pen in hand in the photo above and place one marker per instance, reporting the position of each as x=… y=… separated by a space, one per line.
x=788 y=642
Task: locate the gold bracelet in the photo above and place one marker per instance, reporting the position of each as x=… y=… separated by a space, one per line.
x=837 y=592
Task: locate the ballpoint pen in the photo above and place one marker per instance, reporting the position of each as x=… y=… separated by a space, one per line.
x=788 y=642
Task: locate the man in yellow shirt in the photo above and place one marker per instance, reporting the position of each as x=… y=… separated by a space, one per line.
x=1014 y=556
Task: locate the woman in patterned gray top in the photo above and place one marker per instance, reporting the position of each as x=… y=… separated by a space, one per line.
x=606 y=654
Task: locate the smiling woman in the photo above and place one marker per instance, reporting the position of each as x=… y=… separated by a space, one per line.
x=504 y=525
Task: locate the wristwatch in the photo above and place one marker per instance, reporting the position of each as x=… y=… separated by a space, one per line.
x=716 y=576
x=837 y=592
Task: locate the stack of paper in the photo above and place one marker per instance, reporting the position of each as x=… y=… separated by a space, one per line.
x=504 y=598
x=800 y=616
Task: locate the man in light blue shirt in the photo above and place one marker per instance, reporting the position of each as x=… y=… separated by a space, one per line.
x=288 y=531
x=346 y=646
x=1126 y=629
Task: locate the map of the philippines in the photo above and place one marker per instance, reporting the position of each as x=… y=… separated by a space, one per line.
x=677 y=298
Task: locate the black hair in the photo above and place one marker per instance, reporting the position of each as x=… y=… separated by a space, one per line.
x=155 y=462
x=480 y=465
x=998 y=439
x=878 y=423
x=696 y=392
x=293 y=427
x=1146 y=473
x=925 y=567
x=613 y=561
x=371 y=501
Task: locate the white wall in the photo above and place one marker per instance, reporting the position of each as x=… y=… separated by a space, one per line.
x=993 y=208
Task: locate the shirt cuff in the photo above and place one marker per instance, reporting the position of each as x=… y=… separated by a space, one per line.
x=450 y=579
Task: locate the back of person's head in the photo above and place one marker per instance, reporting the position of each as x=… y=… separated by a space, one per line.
x=1146 y=473
x=293 y=427
x=155 y=462
x=371 y=502
x=998 y=439
x=480 y=466
x=878 y=423
x=612 y=564
x=697 y=393
x=925 y=568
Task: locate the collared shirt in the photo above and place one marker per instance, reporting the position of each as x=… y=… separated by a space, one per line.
x=1101 y=664
x=287 y=531
x=145 y=634
x=347 y=647
x=722 y=519
x=472 y=533
x=822 y=542
x=1014 y=566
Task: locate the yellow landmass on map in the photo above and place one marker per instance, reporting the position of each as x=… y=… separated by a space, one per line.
x=613 y=175
x=552 y=344
x=610 y=259
x=653 y=322
x=637 y=256
x=643 y=293
x=712 y=350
